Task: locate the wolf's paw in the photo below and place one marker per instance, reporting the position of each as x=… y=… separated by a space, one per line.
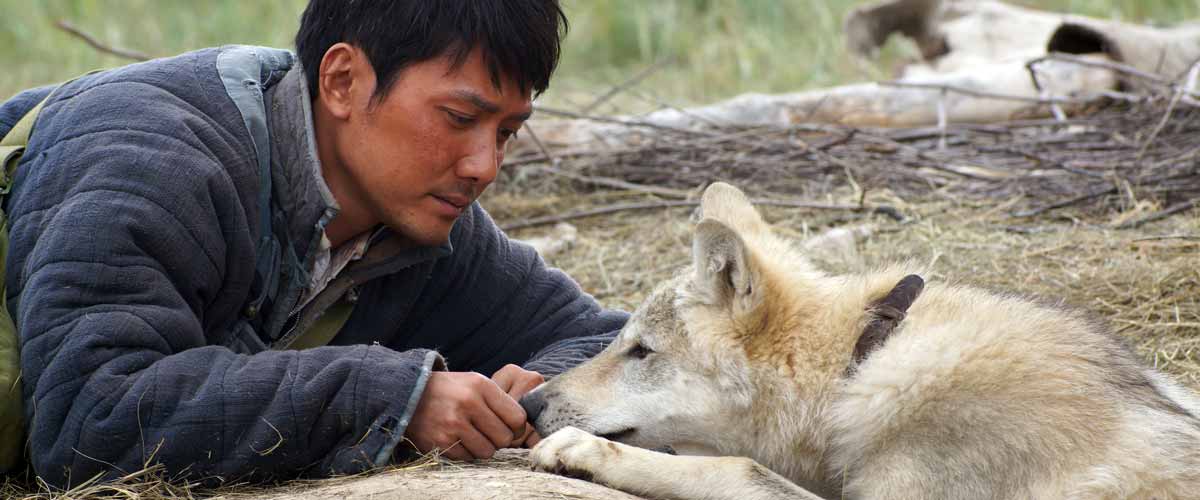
x=574 y=453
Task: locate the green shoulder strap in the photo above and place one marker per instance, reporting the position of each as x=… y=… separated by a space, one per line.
x=13 y=145
x=326 y=327
x=12 y=429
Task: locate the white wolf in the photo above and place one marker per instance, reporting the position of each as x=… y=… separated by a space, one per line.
x=751 y=353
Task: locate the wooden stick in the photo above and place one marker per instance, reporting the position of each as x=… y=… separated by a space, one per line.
x=617 y=121
x=541 y=146
x=621 y=87
x=987 y=95
x=96 y=44
x=617 y=183
x=553 y=219
x=1112 y=65
x=1064 y=203
x=1163 y=214
x=1185 y=237
x=1175 y=99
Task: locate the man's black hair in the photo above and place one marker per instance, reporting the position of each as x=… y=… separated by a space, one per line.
x=519 y=38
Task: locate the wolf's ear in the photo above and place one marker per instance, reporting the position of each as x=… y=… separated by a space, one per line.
x=721 y=262
x=731 y=206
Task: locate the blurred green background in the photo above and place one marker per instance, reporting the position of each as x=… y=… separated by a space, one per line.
x=703 y=49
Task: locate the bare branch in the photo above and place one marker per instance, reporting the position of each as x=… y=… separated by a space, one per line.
x=621 y=87
x=96 y=44
x=554 y=219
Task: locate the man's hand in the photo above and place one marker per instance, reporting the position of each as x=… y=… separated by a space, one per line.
x=517 y=382
x=467 y=416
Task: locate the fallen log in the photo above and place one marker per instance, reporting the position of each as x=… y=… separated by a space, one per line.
x=984 y=61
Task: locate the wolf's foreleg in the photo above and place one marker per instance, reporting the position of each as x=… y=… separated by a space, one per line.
x=575 y=453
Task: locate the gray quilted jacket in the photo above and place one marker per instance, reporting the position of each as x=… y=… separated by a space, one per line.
x=152 y=295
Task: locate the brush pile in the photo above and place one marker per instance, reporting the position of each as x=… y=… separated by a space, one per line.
x=1115 y=154
x=1098 y=211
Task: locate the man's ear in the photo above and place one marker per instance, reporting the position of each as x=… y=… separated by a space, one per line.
x=721 y=263
x=342 y=79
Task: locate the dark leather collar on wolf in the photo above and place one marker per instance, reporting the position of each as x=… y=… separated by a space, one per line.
x=884 y=314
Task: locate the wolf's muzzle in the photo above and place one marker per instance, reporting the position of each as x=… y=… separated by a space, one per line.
x=533 y=403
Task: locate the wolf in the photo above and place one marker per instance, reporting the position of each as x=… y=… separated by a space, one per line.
x=771 y=379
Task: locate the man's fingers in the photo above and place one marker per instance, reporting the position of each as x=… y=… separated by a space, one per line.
x=476 y=444
x=506 y=377
x=532 y=439
x=457 y=452
x=522 y=387
x=505 y=407
x=494 y=429
x=517 y=381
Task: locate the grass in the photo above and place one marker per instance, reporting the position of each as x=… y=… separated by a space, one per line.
x=709 y=49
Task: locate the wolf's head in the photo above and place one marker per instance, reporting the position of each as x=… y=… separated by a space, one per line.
x=707 y=347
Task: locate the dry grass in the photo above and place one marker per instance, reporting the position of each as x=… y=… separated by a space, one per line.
x=1144 y=283
x=146 y=484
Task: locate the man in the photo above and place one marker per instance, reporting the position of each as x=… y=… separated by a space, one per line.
x=155 y=300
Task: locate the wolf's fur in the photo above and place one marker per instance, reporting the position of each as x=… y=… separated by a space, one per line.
x=976 y=395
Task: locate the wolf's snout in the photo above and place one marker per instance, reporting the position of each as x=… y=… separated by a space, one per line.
x=533 y=403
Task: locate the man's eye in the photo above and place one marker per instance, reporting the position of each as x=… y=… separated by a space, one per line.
x=639 y=351
x=458 y=118
x=507 y=134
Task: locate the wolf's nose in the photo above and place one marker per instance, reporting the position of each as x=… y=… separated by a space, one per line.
x=533 y=403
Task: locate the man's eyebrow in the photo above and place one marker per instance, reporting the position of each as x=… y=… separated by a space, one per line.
x=477 y=100
x=485 y=105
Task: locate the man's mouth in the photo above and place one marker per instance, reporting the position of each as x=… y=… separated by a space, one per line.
x=452 y=205
x=457 y=201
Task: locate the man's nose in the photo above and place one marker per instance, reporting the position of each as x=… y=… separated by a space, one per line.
x=533 y=403
x=481 y=166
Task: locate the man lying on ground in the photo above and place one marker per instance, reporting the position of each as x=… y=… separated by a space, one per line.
x=181 y=227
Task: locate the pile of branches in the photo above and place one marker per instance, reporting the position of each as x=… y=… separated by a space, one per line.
x=1116 y=151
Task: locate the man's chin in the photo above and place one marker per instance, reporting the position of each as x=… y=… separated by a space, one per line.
x=425 y=235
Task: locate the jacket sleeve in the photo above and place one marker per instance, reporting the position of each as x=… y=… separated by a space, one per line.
x=122 y=263
x=493 y=301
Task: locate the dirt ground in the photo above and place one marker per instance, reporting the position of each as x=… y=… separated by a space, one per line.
x=505 y=477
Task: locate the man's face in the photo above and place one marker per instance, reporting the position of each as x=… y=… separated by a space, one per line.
x=416 y=159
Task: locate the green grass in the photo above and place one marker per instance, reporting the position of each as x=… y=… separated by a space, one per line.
x=708 y=48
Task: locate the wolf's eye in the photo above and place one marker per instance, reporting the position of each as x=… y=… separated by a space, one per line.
x=639 y=351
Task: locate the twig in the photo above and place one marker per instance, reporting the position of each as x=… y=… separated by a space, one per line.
x=553 y=219
x=1185 y=237
x=1064 y=203
x=617 y=183
x=942 y=120
x=935 y=162
x=705 y=140
x=541 y=146
x=1082 y=61
x=1172 y=210
x=664 y=104
x=1043 y=92
x=987 y=95
x=1162 y=123
x=618 y=121
x=1046 y=161
x=96 y=44
x=634 y=80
